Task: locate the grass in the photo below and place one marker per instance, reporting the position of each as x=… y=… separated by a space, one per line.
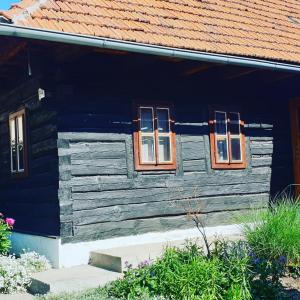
x=92 y=294
x=275 y=232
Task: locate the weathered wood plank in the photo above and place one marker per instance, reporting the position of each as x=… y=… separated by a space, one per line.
x=43 y=133
x=43 y=148
x=134 y=227
x=107 y=183
x=99 y=167
x=266 y=149
x=193 y=150
x=194 y=165
x=97 y=150
x=91 y=136
x=91 y=200
x=262 y=162
x=42 y=117
x=154 y=209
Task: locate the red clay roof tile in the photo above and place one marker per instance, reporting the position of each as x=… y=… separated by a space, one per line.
x=266 y=29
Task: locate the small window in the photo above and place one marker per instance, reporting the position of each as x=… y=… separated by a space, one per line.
x=227 y=140
x=154 y=138
x=18 y=153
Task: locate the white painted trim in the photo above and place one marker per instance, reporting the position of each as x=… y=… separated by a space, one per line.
x=79 y=253
x=72 y=254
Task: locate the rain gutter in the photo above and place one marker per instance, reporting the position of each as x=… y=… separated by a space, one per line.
x=104 y=43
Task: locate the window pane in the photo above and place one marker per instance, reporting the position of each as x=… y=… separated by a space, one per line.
x=146 y=120
x=222 y=149
x=20 y=144
x=221 y=123
x=147 y=149
x=164 y=149
x=20 y=129
x=13 y=149
x=234 y=123
x=236 y=149
x=21 y=157
x=298 y=118
x=163 y=120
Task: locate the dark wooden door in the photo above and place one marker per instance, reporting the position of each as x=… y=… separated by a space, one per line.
x=295 y=129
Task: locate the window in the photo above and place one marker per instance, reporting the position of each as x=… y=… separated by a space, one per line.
x=154 y=138
x=18 y=153
x=227 y=140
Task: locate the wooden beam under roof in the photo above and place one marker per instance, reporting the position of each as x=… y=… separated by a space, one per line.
x=198 y=69
x=170 y=59
x=11 y=52
x=283 y=77
x=110 y=52
x=240 y=74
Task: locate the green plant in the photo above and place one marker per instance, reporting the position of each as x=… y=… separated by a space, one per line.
x=275 y=233
x=186 y=274
x=6 y=225
x=91 y=294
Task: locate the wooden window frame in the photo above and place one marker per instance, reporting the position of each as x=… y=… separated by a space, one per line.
x=242 y=164
x=13 y=116
x=137 y=134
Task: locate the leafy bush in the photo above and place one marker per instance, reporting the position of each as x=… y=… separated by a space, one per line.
x=15 y=272
x=186 y=274
x=6 y=225
x=274 y=234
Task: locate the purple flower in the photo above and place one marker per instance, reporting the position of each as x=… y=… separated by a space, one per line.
x=128 y=265
x=144 y=263
x=282 y=260
x=257 y=261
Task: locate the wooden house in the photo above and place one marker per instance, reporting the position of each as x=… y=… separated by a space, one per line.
x=118 y=117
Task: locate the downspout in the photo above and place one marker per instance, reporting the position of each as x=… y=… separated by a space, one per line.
x=104 y=43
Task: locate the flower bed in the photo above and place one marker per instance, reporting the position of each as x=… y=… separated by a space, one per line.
x=15 y=272
x=264 y=266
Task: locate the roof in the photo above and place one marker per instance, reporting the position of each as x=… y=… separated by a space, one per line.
x=264 y=29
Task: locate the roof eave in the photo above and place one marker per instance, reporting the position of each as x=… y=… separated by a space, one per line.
x=105 y=43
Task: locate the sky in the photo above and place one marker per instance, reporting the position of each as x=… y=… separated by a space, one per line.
x=4 y=4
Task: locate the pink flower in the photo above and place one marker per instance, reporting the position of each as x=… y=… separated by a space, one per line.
x=10 y=221
x=1 y=215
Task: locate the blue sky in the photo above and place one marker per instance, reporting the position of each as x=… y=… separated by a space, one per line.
x=4 y=4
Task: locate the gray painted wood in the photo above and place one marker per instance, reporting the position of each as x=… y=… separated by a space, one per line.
x=139 y=226
x=109 y=198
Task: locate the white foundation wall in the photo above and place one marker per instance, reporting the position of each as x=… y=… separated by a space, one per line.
x=43 y=245
x=72 y=254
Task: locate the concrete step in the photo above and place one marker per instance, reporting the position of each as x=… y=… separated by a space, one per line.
x=73 y=279
x=114 y=258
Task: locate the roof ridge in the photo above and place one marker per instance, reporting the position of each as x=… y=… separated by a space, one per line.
x=18 y=12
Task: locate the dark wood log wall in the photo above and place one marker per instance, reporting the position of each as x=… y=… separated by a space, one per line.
x=102 y=196
x=82 y=184
x=32 y=201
